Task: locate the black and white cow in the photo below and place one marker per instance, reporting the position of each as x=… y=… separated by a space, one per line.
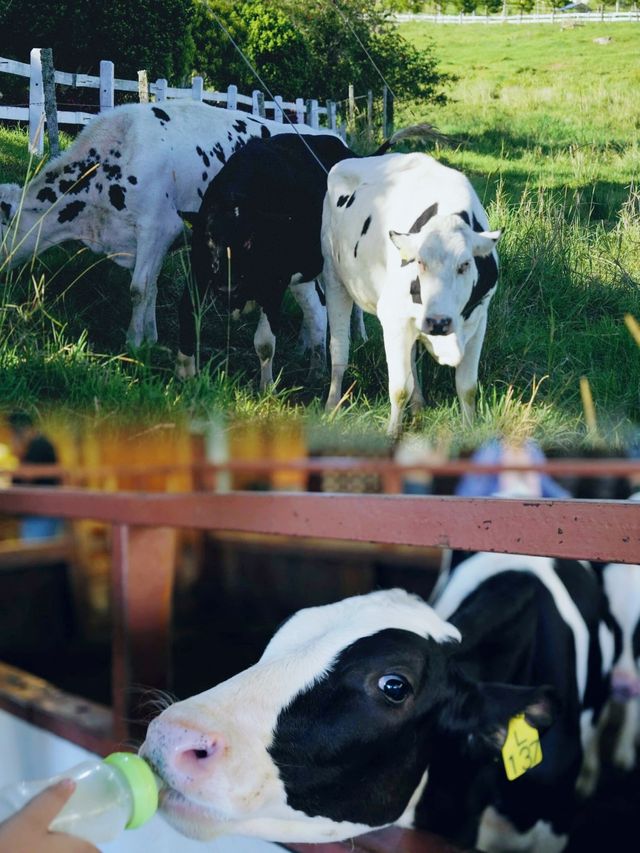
x=375 y=711
x=119 y=187
x=558 y=630
x=407 y=239
x=265 y=209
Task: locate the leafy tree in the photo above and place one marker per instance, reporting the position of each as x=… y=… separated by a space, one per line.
x=465 y=6
x=314 y=48
x=134 y=34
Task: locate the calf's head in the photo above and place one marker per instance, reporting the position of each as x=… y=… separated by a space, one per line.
x=223 y=253
x=332 y=732
x=441 y=260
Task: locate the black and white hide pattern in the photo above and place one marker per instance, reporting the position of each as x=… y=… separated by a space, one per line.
x=265 y=210
x=407 y=239
x=370 y=712
x=527 y=620
x=119 y=187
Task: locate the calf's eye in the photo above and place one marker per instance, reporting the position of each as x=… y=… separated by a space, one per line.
x=396 y=688
x=463 y=268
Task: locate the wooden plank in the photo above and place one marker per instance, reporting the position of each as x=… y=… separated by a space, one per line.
x=143 y=568
x=79 y=720
x=596 y=530
x=14 y=113
x=67 y=117
x=11 y=66
x=16 y=554
x=36 y=105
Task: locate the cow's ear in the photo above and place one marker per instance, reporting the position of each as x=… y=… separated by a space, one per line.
x=480 y=720
x=407 y=244
x=482 y=242
x=502 y=702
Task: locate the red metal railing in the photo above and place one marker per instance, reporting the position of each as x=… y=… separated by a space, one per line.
x=143 y=544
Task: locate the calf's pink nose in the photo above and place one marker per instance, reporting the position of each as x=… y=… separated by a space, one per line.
x=191 y=752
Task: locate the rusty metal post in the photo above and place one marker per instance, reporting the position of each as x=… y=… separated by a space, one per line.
x=143 y=567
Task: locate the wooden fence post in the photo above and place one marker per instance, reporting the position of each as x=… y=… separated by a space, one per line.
x=36 y=104
x=161 y=89
x=257 y=103
x=143 y=87
x=332 y=117
x=369 y=115
x=106 y=85
x=197 y=88
x=300 y=117
x=278 y=111
x=232 y=97
x=352 y=109
x=314 y=116
x=50 y=105
x=387 y=112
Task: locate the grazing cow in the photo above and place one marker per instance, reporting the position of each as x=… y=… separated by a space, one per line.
x=547 y=621
x=406 y=238
x=119 y=187
x=265 y=209
x=370 y=712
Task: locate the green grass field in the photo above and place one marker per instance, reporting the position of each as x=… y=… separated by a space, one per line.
x=546 y=125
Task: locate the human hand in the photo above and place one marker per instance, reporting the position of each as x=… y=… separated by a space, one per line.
x=27 y=831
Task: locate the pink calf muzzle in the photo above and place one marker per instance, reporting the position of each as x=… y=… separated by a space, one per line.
x=625 y=686
x=182 y=753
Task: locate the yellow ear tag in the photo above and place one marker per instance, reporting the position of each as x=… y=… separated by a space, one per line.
x=521 y=750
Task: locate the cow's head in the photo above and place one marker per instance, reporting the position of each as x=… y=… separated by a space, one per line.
x=222 y=247
x=441 y=261
x=332 y=732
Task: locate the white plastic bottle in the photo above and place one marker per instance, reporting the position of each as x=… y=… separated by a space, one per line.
x=117 y=793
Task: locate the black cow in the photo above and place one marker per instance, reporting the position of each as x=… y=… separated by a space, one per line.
x=264 y=211
x=371 y=712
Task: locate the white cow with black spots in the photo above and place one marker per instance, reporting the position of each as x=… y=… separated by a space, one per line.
x=119 y=187
x=407 y=239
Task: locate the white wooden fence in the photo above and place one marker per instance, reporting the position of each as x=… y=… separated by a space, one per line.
x=305 y=111
x=554 y=16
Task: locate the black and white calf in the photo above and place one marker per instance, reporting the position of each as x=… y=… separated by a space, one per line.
x=407 y=239
x=264 y=211
x=119 y=187
x=545 y=621
x=622 y=587
x=371 y=712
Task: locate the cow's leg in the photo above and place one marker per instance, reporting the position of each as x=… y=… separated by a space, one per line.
x=624 y=749
x=358 y=331
x=314 y=323
x=398 y=347
x=417 y=400
x=150 y=252
x=339 y=305
x=264 y=342
x=467 y=371
x=186 y=358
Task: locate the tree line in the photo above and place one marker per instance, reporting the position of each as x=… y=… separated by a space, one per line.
x=314 y=48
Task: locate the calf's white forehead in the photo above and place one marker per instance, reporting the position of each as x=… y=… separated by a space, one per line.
x=323 y=632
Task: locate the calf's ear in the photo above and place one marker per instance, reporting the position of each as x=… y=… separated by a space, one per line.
x=482 y=242
x=406 y=244
x=494 y=705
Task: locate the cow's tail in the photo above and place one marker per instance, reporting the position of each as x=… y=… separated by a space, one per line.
x=414 y=131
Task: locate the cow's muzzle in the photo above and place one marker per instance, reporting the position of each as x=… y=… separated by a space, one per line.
x=437 y=325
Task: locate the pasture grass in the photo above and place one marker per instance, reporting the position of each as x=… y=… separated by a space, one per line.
x=547 y=126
